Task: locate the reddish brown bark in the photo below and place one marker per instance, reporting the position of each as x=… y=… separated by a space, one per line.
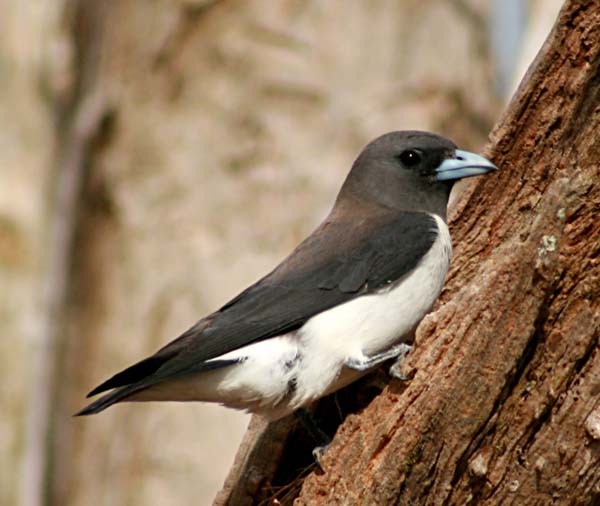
x=503 y=407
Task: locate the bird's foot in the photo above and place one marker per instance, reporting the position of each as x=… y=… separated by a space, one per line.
x=395 y=370
x=365 y=363
x=317 y=453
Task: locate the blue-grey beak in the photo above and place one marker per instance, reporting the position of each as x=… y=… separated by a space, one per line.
x=465 y=164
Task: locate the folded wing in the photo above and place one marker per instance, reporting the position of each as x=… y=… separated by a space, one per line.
x=361 y=259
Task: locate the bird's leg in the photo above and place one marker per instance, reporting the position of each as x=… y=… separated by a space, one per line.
x=365 y=363
x=315 y=432
x=311 y=426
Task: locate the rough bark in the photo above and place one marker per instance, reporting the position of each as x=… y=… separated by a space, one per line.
x=503 y=404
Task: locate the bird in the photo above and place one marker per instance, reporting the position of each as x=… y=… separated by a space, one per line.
x=348 y=298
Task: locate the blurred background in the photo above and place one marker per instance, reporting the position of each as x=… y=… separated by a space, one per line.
x=156 y=157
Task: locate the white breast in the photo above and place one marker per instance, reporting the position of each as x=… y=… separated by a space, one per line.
x=373 y=322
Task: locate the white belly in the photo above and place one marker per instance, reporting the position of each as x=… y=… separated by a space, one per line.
x=281 y=374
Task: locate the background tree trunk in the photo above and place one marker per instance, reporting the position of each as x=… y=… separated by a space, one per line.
x=503 y=407
x=175 y=151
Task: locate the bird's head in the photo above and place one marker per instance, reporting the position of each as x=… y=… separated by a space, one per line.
x=411 y=170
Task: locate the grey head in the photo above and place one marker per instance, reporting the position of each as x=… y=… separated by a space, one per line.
x=409 y=171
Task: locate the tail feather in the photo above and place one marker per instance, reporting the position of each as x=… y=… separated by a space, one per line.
x=109 y=399
x=151 y=377
x=133 y=374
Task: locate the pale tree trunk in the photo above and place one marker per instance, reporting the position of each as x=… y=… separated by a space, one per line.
x=503 y=405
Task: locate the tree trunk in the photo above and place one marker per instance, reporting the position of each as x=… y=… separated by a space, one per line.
x=503 y=404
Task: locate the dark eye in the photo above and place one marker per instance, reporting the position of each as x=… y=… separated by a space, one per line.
x=410 y=157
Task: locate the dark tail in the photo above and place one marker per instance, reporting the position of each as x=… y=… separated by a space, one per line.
x=136 y=372
x=145 y=372
x=108 y=400
x=125 y=383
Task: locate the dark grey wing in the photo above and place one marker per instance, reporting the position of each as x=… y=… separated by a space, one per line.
x=360 y=259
